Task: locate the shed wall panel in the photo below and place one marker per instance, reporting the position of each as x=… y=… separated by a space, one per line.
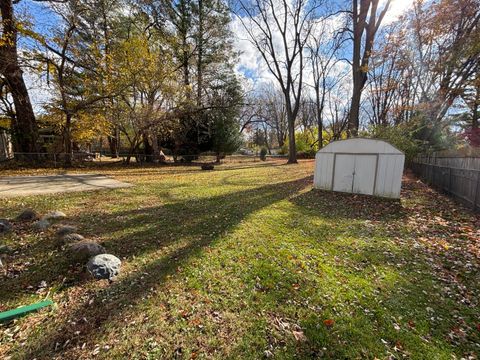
x=389 y=175
x=323 y=171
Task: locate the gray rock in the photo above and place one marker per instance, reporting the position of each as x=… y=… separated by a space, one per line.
x=5 y=226
x=41 y=225
x=65 y=230
x=4 y=249
x=72 y=238
x=104 y=266
x=83 y=250
x=55 y=215
x=27 y=215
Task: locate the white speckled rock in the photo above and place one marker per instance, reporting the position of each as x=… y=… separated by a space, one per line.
x=72 y=238
x=5 y=226
x=41 y=225
x=55 y=215
x=66 y=229
x=104 y=266
x=27 y=215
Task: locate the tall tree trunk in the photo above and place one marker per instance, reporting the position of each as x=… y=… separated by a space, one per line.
x=358 y=29
x=67 y=138
x=279 y=132
x=184 y=27
x=368 y=25
x=25 y=132
x=186 y=73
x=476 y=104
x=113 y=139
x=292 y=149
x=155 y=147
x=265 y=135
x=319 y=108
x=475 y=116
x=320 y=133
x=148 y=149
x=200 y=53
x=113 y=143
x=353 y=117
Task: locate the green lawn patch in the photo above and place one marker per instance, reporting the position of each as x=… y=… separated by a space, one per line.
x=247 y=261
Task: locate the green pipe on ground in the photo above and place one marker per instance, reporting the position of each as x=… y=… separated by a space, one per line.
x=23 y=310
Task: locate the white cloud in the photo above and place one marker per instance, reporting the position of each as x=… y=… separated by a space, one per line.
x=397 y=9
x=251 y=63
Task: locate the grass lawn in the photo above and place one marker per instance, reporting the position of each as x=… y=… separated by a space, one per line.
x=247 y=261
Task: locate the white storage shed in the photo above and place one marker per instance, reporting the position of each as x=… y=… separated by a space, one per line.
x=360 y=166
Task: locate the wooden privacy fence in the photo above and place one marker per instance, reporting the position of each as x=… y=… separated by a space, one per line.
x=462 y=183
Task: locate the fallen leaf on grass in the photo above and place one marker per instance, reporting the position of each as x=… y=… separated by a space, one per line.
x=329 y=322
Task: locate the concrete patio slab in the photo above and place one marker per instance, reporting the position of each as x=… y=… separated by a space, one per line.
x=11 y=186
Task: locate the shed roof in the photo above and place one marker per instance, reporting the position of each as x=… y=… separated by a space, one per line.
x=361 y=146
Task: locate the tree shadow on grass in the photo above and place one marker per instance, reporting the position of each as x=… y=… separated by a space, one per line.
x=148 y=229
x=181 y=230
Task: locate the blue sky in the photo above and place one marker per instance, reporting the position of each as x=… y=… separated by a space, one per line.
x=40 y=15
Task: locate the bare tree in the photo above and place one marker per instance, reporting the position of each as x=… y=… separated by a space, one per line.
x=366 y=23
x=338 y=112
x=265 y=110
x=250 y=113
x=279 y=30
x=385 y=76
x=323 y=50
x=274 y=112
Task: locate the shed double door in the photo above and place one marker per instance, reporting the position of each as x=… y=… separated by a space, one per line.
x=355 y=173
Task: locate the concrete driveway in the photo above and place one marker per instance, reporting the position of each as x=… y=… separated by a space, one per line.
x=11 y=186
